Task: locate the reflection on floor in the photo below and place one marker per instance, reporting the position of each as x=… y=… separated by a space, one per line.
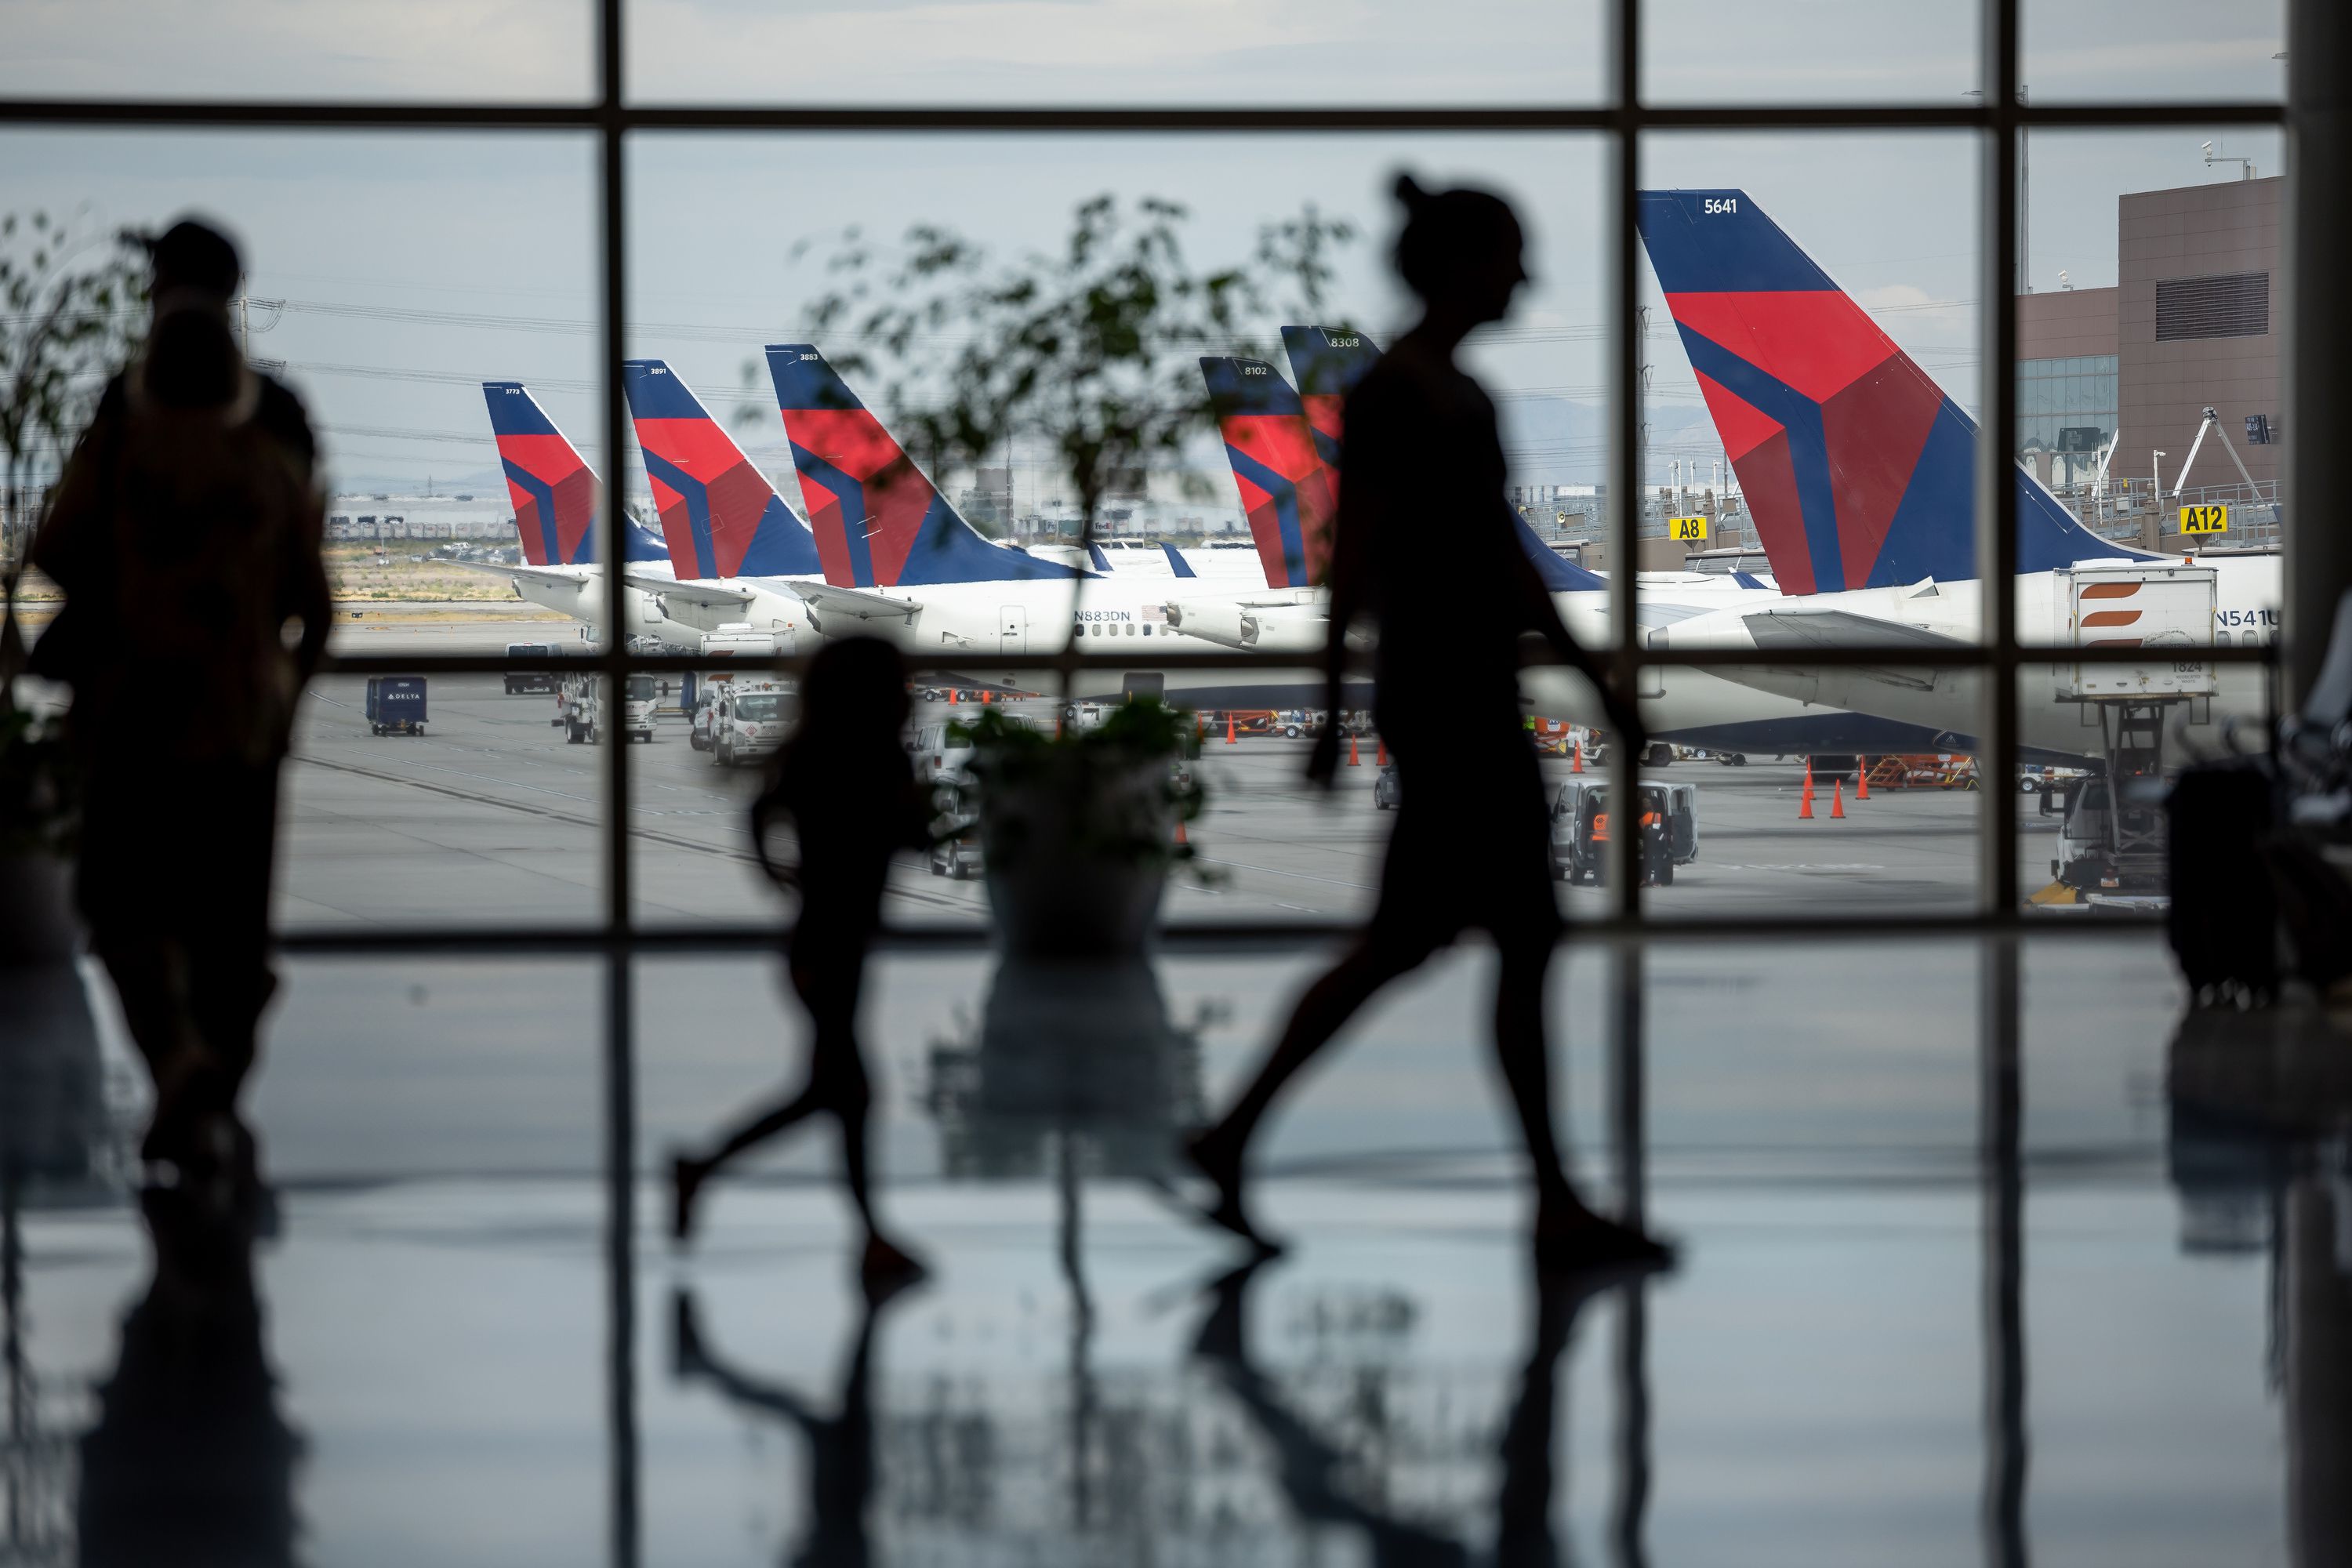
x=1858 y=1364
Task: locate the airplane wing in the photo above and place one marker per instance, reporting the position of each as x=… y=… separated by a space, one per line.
x=1800 y=631
x=565 y=576
x=1803 y=631
x=829 y=605
x=695 y=595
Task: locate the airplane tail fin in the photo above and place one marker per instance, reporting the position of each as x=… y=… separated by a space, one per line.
x=1327 y=363
x=719 y=515
x=1859 y=472
x=1285 y=485
x=552 y=487
x=642 y=543
x=1176 y=563
x=1559 y=575
x=879 y=520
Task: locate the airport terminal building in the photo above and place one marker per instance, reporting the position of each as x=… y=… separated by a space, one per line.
x=2191 y=323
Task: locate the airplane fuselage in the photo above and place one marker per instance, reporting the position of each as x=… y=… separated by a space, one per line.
x=1949 y=702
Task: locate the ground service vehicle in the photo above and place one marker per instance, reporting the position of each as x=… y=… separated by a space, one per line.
x=1581 y=826
x=579 y=709
x=395 y=704
x=2107 y=855
x=530 y=679
x=748 y=721
x=739 y=639
x=940 y=755
x=957 y=855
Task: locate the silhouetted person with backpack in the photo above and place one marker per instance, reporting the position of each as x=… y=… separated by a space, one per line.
x=1471 y=848
x=846 y=781
x=185 y=533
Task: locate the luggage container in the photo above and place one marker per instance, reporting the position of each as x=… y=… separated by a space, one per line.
x=395 y=704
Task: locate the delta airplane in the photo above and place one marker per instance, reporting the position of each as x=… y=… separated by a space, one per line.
x=1283 y=445
x=554 y=493
x=736 y=554
x=1861 y=476
x=901 y=563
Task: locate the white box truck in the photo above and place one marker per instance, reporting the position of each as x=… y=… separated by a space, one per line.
x=579 y=709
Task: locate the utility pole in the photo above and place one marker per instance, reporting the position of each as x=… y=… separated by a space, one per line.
x=2024 y=262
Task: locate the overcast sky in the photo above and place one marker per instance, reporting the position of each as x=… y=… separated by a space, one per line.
x=470 y=257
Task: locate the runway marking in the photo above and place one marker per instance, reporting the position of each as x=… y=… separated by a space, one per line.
x=743 y=856
x=1301 y=875
x=1808 y=866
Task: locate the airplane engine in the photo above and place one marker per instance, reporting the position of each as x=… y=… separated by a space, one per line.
x=1228 y=626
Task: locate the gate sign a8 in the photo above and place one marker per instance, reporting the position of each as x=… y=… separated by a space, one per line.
x=1687 y=527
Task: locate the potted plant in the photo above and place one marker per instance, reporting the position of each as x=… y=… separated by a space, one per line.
x=38 y=823
x=1079 y=828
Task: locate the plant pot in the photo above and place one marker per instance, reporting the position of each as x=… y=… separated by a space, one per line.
x=37 y=920
x=1077 y=857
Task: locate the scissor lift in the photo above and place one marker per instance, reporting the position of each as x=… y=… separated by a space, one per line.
x=2113 y=845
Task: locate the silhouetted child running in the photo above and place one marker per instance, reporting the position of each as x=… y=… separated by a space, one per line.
x=846 y=781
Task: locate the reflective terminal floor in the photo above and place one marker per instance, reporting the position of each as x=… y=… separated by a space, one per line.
x=2129 y=1348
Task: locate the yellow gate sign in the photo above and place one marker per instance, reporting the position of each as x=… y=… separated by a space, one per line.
x=2204 y=519
x=1687 y=527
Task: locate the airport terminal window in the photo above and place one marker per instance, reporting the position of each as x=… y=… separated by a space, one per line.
x=2059 y=407
x=2047 y=404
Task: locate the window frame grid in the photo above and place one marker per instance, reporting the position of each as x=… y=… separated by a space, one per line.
x=1998 y=118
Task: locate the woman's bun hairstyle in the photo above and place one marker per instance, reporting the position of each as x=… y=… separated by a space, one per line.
x=1447 y=230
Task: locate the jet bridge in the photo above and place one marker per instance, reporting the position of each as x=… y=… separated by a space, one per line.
x=2113 y=842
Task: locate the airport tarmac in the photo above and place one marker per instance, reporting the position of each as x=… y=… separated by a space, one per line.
x=492 y=816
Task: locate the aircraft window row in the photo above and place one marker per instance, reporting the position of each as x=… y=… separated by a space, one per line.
x=1098 y=629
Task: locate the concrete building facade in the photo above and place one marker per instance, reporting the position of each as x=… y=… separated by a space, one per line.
x=2191 y=323
x=2197 y=325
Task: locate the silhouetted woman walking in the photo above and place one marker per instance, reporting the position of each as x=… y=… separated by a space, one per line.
x=846 y=781
x=1422 y=464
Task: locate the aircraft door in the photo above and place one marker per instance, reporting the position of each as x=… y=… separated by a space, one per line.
x=1012 y=629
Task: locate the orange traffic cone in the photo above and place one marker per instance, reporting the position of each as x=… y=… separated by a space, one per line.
x=952 y=694
x=1353 y=760
x=1180 y=831
x=1577 y=766
x=1805 y=806
x=1229 y=731
x=1809 y=778
x=1837 y=799
x=1383 y=758
x=1862 y=778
